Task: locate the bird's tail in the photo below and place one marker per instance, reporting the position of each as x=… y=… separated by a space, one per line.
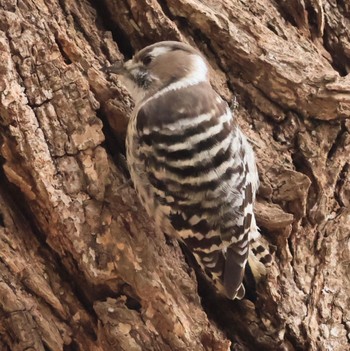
x=259 y=259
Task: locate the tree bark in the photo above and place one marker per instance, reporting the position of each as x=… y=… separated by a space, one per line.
x=81 y=267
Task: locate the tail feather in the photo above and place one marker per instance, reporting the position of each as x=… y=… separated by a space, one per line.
x=233 y=273
x=226 y=270
x=259 y=259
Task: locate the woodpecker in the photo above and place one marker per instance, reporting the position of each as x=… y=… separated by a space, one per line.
x=192 y=167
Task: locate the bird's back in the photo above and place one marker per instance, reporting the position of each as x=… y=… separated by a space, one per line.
x=195 y=173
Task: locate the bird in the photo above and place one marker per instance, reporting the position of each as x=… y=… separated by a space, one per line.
x=192 y=167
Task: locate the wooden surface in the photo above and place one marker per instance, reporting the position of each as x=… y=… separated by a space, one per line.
x=81 y=267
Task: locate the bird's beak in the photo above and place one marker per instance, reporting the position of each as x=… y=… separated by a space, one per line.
x=117 y=68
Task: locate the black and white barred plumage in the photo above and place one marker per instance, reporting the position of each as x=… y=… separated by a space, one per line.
x=191 y=165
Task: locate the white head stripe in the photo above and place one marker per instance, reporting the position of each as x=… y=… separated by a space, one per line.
x=198 y=75
x=159 y=50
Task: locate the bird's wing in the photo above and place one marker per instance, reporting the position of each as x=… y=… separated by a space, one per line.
x=190 y=146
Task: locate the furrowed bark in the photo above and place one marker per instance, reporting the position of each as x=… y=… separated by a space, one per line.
x=81 y=267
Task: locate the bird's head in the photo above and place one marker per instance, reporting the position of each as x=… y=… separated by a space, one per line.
x=159 y=65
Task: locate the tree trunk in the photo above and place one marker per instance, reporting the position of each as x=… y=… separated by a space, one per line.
x=81 y=267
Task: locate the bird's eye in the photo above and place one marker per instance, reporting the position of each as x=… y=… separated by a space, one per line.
x=147 y=60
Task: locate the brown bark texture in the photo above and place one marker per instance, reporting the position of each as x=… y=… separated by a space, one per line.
x=81 y=267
